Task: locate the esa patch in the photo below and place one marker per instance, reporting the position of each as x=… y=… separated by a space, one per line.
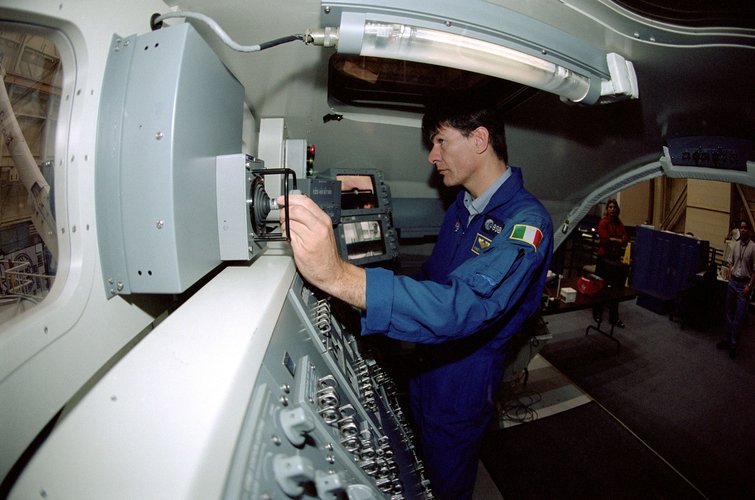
x=480 y=243
x=492 y=227
x=527 y=234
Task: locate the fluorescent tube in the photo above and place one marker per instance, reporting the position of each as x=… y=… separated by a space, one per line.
x=411 y=43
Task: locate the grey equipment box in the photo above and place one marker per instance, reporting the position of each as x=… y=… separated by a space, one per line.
x=168 y=107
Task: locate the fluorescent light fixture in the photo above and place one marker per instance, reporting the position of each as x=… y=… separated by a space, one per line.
x=587 y=76
x=412 y=43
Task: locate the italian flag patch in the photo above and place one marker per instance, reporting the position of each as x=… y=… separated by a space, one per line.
x=527 y=234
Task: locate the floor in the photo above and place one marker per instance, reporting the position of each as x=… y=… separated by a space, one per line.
x=665 y=385
x=547 y=392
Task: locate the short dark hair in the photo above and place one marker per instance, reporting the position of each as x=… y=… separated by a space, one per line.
x=465 y=113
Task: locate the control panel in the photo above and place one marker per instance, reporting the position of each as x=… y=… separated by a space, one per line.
x=324 y=420
x=364 y=227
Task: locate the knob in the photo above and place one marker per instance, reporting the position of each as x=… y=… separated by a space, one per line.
x=360 y=492
x=329 y=486
x=292 y=473
x=296 y=423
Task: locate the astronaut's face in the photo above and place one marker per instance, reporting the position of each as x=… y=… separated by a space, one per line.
x=454 y=157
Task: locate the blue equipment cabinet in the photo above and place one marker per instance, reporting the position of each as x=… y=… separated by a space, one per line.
x=664 y=265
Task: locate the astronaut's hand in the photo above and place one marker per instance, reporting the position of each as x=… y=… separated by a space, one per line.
x=316 y=252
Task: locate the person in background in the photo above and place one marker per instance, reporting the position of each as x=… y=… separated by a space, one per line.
x=483 y=280
x=733 y=234
x=731 y=239
x=741 y=263
x=613 y=236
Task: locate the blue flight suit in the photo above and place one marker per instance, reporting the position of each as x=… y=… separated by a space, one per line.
x=475 y=291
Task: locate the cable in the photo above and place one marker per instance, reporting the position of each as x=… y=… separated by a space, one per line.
x=516 y=405
x=156 y=22
x=280 y=41
x=520 y=410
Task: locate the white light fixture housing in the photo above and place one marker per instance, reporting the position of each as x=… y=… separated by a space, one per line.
x=484 y=38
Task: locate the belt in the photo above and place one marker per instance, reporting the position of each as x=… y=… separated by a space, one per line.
x=741 y=279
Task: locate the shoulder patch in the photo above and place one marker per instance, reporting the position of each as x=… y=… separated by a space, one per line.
x=527 y=234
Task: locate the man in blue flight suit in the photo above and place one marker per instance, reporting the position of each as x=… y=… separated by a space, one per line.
x=483 y=280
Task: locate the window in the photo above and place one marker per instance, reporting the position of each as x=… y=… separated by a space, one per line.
x=372 y=82
x=29 y=101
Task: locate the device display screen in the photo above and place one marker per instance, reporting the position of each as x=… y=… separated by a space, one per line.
x=357 y=191
x=363 y=239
